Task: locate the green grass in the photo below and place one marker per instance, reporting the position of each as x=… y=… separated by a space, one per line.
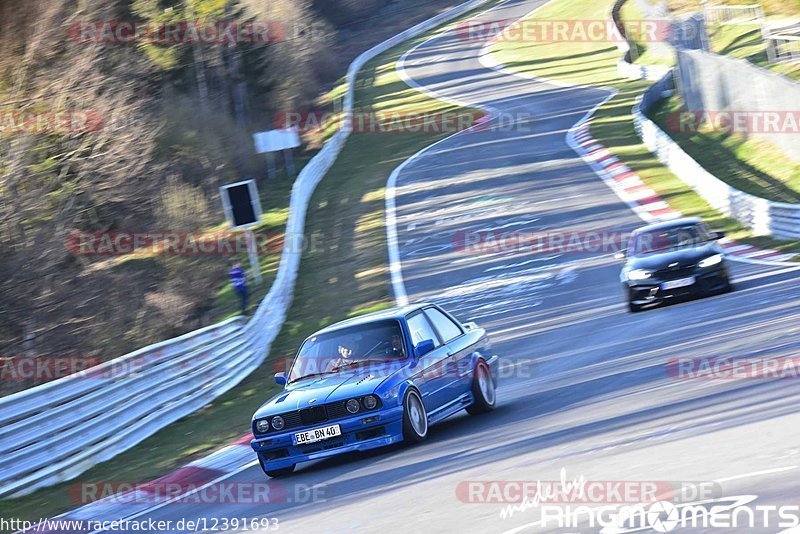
x=743 y=41
x=594 y=63
x=750 y=165
x=345 y=275
x=642 y=52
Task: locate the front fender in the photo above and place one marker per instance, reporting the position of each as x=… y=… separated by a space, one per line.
x=392 y=394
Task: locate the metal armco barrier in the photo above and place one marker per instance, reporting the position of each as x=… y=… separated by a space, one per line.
x=54 y=432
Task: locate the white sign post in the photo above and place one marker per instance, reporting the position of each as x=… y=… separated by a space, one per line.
x=242 y=208
x=274 y=141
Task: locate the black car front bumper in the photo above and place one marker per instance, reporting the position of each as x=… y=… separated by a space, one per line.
x=707 y=281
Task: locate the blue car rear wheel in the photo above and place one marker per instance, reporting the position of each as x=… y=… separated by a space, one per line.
x=483 y=390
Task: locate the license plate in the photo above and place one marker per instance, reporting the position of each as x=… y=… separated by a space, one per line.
x=318 y=434
x=673 y=284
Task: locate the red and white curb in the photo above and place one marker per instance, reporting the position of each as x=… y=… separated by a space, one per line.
x=148 y=496
x=643 y=200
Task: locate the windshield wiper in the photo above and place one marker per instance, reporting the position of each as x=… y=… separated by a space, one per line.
x=312 y=375
x=357 y=362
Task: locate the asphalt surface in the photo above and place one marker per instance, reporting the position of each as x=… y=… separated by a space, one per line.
x=585 y=385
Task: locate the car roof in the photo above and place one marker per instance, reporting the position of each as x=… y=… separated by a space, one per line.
x=668 y=224
x=397 y=313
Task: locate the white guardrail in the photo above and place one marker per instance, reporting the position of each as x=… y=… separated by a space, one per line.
x=56 y=431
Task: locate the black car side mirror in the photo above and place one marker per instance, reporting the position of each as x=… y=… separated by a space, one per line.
x=280 y=379
x=717 y=235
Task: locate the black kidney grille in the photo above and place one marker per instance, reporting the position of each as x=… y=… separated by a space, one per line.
x=675 y=273
x=292 y=419
x=315 y=414
x=336 y=410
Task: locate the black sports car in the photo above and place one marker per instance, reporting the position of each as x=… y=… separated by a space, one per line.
x=673 y=259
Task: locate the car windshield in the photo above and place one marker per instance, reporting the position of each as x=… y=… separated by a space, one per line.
x=331 y=352
x=669 y=238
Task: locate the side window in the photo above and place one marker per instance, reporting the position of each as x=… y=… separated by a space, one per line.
x=446 y=327
x=421 y=329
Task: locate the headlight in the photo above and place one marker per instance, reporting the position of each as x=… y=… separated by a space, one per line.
x=639 y=274
x=262 y=426
x=370 y=402
x=278 y=423
x=352 y=406
x=710 y=261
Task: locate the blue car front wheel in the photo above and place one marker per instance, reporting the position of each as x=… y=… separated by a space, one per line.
x=415 y=418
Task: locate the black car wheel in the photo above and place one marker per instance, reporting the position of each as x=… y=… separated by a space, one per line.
x=728 y=285
x=634 y=308
x=415 y=418
x=483 y=390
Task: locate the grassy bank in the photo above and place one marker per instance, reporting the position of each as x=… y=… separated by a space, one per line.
x=744 y=41
x=343 y=275
x=595 y=63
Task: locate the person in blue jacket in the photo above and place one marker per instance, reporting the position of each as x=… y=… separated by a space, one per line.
x=239 y=282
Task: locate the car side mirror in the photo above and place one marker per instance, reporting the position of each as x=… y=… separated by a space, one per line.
x=717 y=235
x=620 y=255
x=280 y=379
x=423 y=347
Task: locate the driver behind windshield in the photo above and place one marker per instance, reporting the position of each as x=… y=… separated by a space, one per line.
x=352 y=347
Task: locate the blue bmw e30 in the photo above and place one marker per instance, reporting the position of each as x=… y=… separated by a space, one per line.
x=372 y=381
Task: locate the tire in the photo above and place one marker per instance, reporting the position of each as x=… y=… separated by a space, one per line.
x=415 y=418
x=277 y=473
x=483 y=390
x=634 y=308
x=728 y=286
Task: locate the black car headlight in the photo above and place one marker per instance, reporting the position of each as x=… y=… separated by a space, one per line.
x=278 y=423
x=262 y=426
x=711 y=261
x=352 y=406
x=639 y=274
x=370 y=402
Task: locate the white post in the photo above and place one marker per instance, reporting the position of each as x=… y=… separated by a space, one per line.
x=252 y=252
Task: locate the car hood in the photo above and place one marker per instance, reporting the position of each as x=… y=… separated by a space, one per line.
x=328 y=388
x=682 y=256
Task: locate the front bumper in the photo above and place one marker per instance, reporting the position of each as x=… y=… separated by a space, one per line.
x=707 y=281
x=276 y=451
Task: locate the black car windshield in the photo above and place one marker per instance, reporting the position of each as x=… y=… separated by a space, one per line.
x=669 y=238
x=328 y=353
